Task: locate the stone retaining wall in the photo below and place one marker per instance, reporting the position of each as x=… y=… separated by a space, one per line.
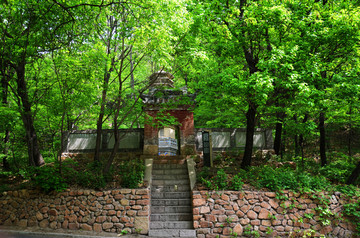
x=109 y=211
x=224 y=213
x=216 y=213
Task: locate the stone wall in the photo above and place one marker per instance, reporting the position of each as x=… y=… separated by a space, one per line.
x=90 y=210
x=225 y=139
x=131 y=140
x=216 y=213
x=223 y=213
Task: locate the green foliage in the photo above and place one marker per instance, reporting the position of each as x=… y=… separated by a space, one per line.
x=204 y=173
x=249 y=232
x=132 y=173
x=4 y=187
x=219 y=181
x=124 y=232
x=90 y=179
x=236 y=182
x=325 y=215
x=309 y=215
x=284 y=178
x=47 y=178
x=353 y=211
x=338 y=170
x=92 y=176
x=348 y=190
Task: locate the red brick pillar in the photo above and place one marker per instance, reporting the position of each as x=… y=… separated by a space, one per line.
x=150 y=134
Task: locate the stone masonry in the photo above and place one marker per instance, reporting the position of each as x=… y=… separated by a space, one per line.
x=215 y=213
x=90 y=210
x=224 y=213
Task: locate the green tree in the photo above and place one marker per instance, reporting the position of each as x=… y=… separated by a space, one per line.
x=328 y=41
x=245 y=36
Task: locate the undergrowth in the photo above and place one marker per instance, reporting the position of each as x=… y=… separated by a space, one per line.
x=56 y=177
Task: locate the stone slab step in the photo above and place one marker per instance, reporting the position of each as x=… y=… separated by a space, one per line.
x=169 y=160
x=170 y=202
x=171 y=225
x=171 y=217
x=170 y=171
x=172 y=233
x=170 y=195
x=171 y=188
x=169 y=166
x=170 y=176
x=170 y=209
x=161 y=182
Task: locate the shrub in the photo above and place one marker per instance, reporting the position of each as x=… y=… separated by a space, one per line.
x=92 y=176
x=204 y=173
x=285 y=178
x=353 y=210
x=132 y=173
x=236 y=182
x=348 y=190
x=220 y=180
x=90 y=179
x=338 y=170
x=47 y=178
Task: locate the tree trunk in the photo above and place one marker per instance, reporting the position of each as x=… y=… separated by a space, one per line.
x=301 y=138
x=296 y=139
x=101 y=117
x=35 y=158
x=354 y=175
x=4 y=83
x=277 y=140
x=322 y=139
x=278 y=133
x=296 y=145
x=6 y=164
x=116 y=145
x=282 y=145
x=250 y=127
x=350 y=133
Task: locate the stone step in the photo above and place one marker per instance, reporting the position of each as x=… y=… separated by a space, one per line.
x=173 y=233
x=166 y=161
x=170 y=195
x=169 y=166
x=161 y=182
x=170 y=176
x=170 y=171
x=170 y=209
x=171 y=225
x=171 y=188
x=171 y=217
x=169 y=160
x=171 y=202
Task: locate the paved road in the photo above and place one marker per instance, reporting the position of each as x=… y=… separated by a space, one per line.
x=26 y=234
x=20 y=235
x=5 y=233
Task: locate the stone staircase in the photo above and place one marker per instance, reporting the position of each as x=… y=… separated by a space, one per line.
x=171 y=209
